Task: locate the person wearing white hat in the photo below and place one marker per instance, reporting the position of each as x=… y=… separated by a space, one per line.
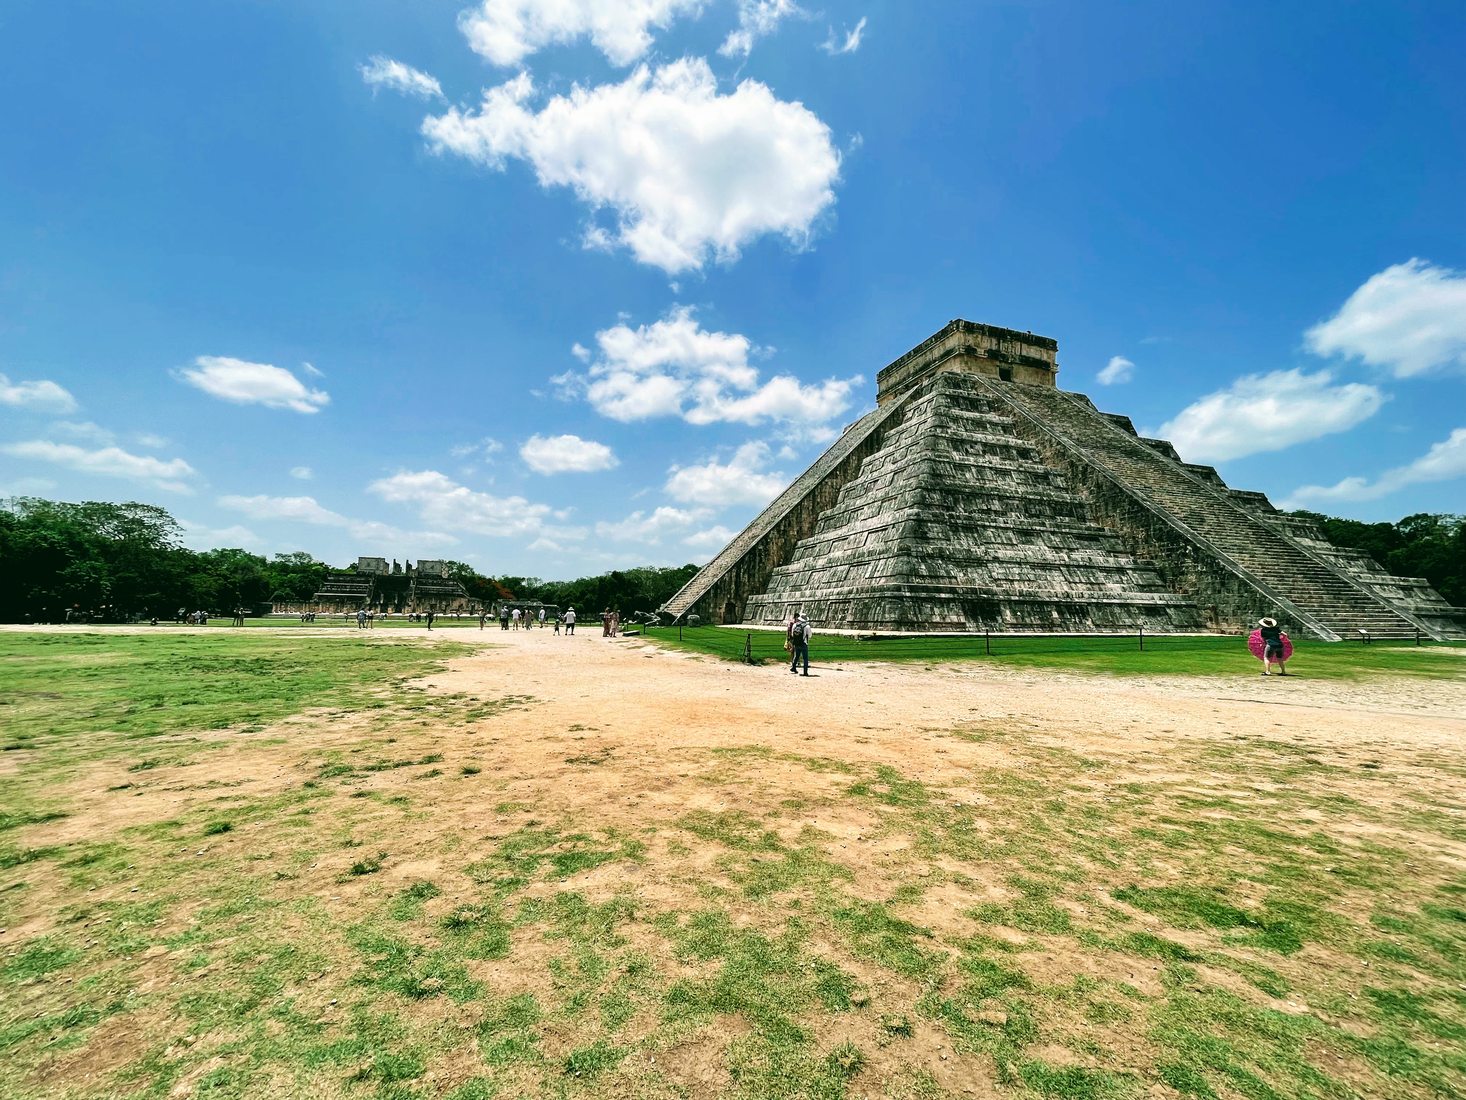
x=1272 y=646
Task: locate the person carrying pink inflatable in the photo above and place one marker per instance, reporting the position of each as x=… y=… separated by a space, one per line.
x=1275 y=646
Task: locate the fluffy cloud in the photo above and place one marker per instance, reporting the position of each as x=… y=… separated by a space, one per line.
x=1268 y=412
x=651 y=528
x=246 y=383
x=384 y=72
x=849 y=42
x=200 y=536
x=1410 y=318
x=41 y=394
x=1117 y=370
x=565 y=454
x=84 y=430
x=710 y=540
x=167 y=474
x=443 y=502
x=674 y=367
x=756 y=19
x=689 y=173
x=1445 y=461
x=302 y=473
x=508 y=31
x=309 y=510
x=742 y=480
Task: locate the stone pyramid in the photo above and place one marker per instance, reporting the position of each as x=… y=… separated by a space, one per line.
x=979 y=496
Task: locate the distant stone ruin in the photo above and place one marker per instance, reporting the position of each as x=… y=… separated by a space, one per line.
x=376 y=585
x=978 y=496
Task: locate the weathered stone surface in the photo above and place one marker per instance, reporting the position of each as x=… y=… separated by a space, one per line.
x=956 y=523
x=379 y=587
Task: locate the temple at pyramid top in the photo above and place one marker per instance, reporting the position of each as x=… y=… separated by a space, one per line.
x=967 y=346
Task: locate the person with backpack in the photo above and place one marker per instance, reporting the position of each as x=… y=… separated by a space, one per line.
x=799 y=632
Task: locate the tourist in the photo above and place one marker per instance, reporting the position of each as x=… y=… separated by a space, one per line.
x=431 y=616
x=799 y=638
x=361 y=618
x=557 y=623
x=504 y=616
x=542 y=618
x=570 y=620
x=483 y=617
x=1272 y=646
x=515 y=616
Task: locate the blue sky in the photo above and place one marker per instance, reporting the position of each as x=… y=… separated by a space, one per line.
x=556 y=288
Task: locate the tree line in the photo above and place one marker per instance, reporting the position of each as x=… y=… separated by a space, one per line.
x=118 y=562
x=121 y=562
x=1427 y=544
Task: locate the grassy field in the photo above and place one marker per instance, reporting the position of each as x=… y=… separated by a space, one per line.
x=1154 y=655
x=230 y=866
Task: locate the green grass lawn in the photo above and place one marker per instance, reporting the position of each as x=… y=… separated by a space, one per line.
x=1242 y=917
x=1158 y=655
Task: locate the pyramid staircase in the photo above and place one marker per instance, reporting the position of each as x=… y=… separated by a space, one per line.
x=1286 y=576
x=956 y=523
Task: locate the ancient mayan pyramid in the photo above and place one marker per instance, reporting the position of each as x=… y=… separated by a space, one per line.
x=979 y=496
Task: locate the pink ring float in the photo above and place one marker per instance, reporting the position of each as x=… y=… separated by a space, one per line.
x=1254 y=643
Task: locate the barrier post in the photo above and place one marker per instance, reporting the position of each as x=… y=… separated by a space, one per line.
x=1142 y=636
x=748 y=649
x=987 y=643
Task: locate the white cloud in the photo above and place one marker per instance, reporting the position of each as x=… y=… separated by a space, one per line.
x=566 y=454
x=302 y=473
x=41 y=394
x=1410 y=318
x=384 y=72
x=508 y=31
x=443 y=502
x=85 y=430
x=309 y=510
x=651 y=528
x=1445 y=461
x=246 y=383
x=26 y=487
x=741 y=480
x=756 y=19
x=689 y=173
x=200 y=536
x=712 y=539
x=1268 y=412
x=484 y=449
x=848 y=43
x=167 y=474
x=300 y=509
x=1117 y=370
x=675 y=367
x=150 y=440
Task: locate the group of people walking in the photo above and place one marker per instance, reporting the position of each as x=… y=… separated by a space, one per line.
x=515 y=618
